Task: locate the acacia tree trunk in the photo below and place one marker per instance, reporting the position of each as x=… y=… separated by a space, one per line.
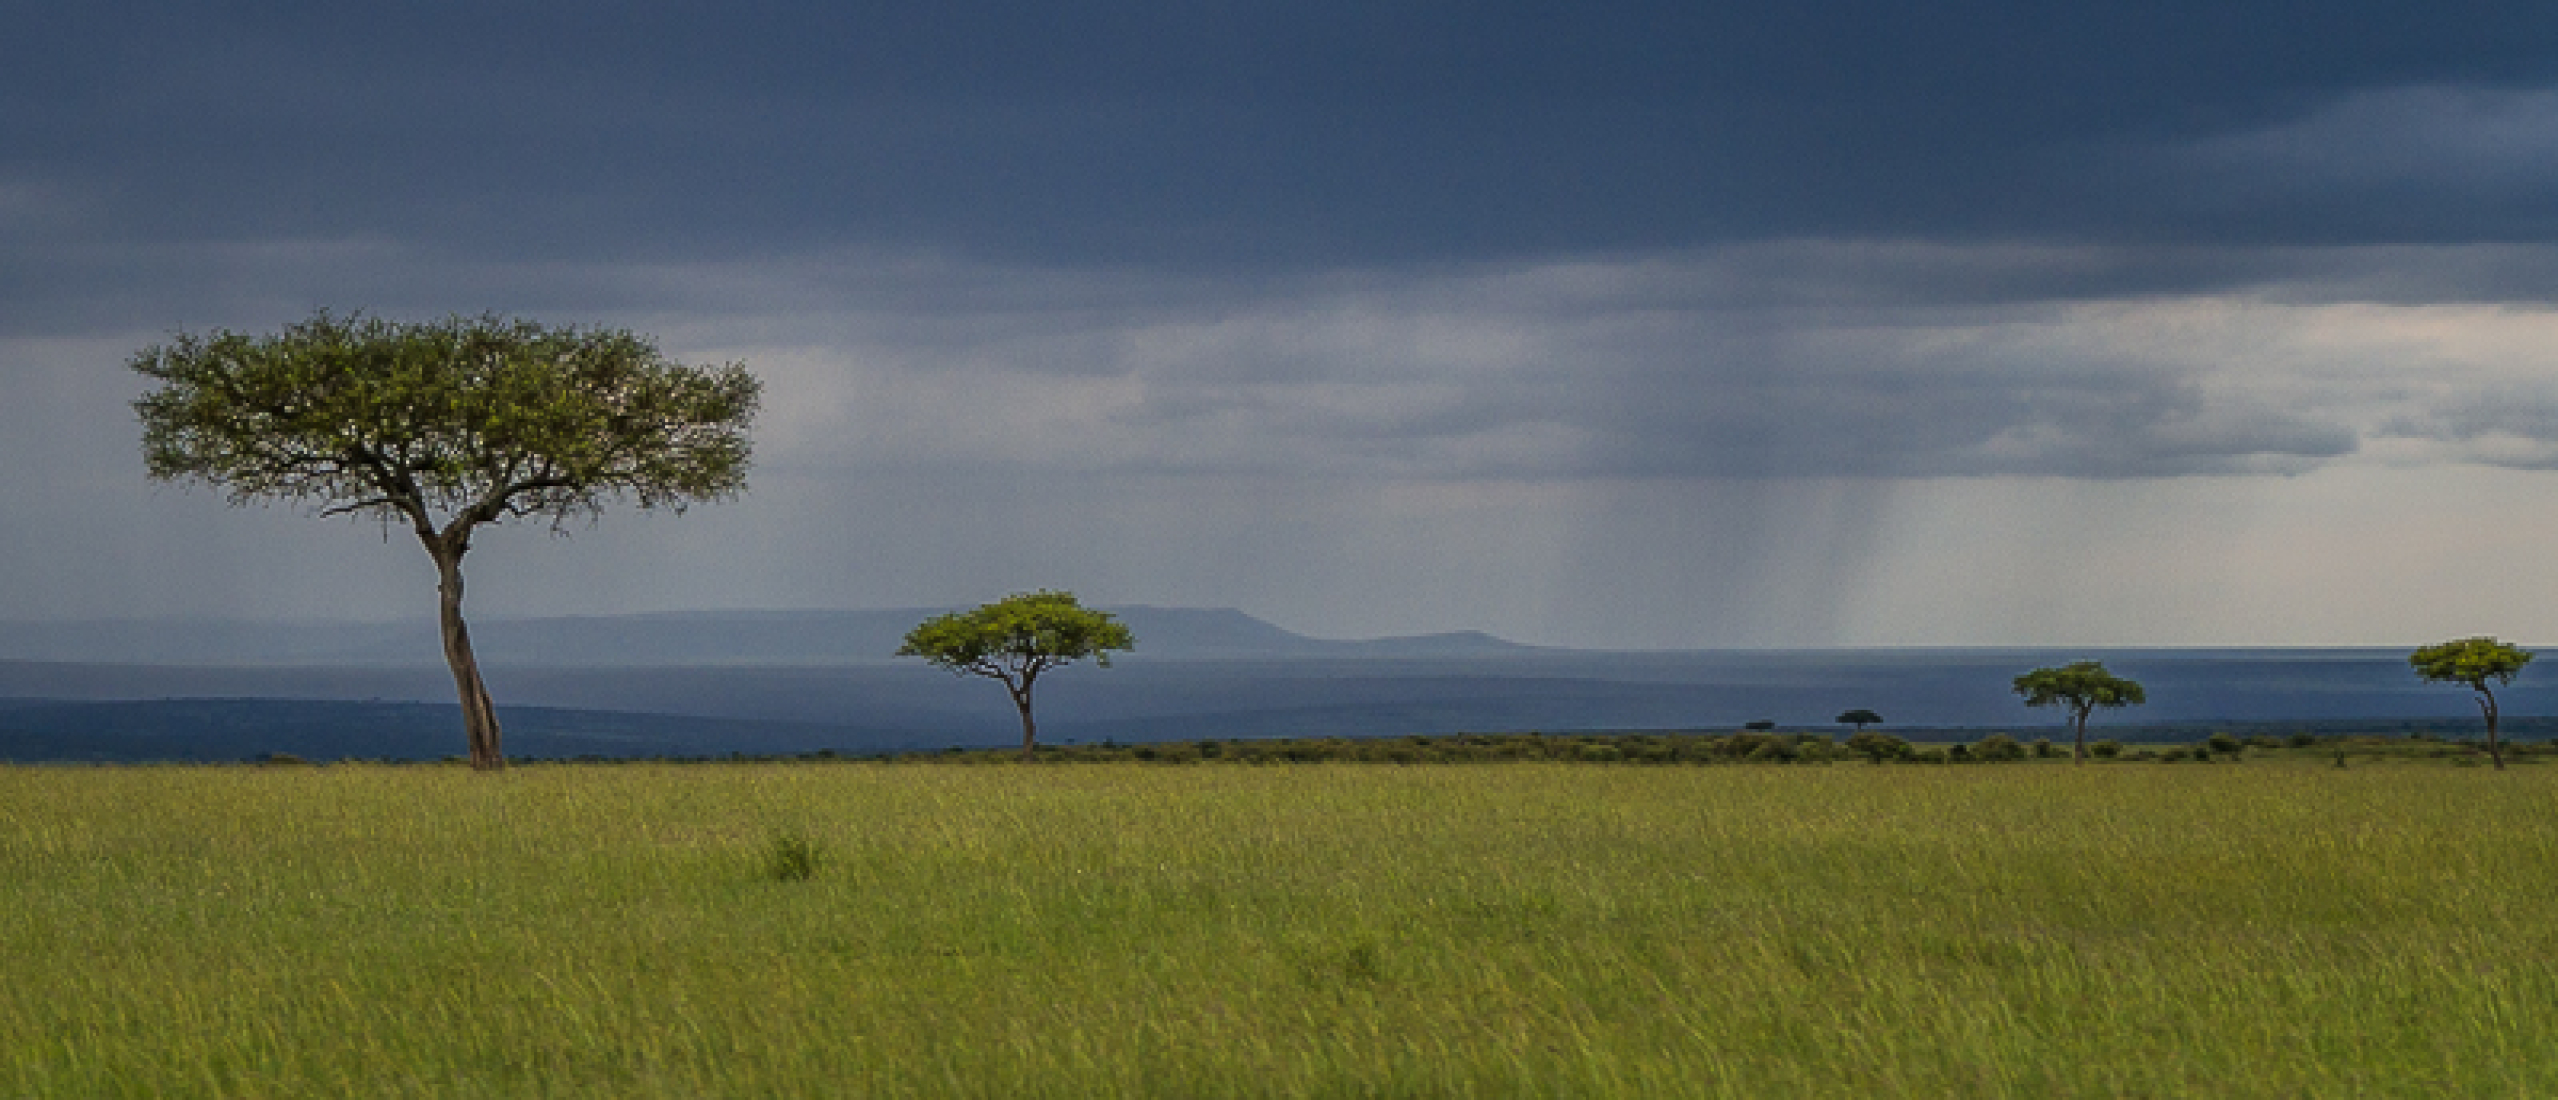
x=1029 y=729
x=479 y=712
x=2078 y=752
x=2487 y=707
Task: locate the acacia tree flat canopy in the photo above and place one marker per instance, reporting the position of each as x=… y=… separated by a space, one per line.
x=2475 y=662
x=1016 y=638
x=444 y=426
x=2079 y=688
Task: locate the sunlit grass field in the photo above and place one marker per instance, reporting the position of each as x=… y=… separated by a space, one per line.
x=2264 y=929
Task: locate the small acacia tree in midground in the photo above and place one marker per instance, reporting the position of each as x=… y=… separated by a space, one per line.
x=1016 y=638
x=445 y=426
x=2473 y=661
x=2080 y=687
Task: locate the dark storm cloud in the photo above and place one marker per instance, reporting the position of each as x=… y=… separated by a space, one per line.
x=1229 y=135
x=1449 y=240
x=1662 y=313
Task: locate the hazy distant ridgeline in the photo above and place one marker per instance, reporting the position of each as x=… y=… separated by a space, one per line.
x=779 y=682
x=671 y=638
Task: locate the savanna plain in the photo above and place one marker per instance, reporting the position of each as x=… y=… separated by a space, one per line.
x=2272 y=928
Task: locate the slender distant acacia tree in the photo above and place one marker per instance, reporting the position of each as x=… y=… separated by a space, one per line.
x=2079 y=687
x=1015 y=639
x=2473 y=661
x=1860 y=718
x=445 y=426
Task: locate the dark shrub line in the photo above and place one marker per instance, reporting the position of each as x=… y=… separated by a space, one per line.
x=1655 y=748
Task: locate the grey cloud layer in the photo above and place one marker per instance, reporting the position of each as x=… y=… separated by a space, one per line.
x=1653 y=368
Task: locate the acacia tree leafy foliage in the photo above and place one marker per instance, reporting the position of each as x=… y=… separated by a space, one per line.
x=445 y=426
x=2473 y=661
x=1016 y=638
x=2079 y=687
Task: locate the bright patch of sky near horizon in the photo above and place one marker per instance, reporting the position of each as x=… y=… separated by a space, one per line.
x=1646 y=325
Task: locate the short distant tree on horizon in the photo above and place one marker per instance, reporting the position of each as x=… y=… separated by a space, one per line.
x=445 y=426
x=2079 y=688
x=2474 y=662
x=1860 y=718
x=1015 y=639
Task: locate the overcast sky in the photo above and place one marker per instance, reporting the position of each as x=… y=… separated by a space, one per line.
x=1675 y=324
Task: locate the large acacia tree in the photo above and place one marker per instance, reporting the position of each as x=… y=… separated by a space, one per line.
x=443 y=427
x=1016 y=638
x=2475 y=662
x=2079 y=688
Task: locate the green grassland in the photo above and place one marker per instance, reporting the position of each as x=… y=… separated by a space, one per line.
x=2271 y=928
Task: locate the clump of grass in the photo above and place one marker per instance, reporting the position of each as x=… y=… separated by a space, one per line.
x=1358 y=962
x=791 y=857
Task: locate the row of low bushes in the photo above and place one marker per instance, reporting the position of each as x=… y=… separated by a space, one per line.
x=1747 y=747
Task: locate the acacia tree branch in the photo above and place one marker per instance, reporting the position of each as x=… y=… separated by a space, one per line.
x=365 y=505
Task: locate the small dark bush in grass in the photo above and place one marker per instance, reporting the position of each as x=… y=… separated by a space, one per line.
x=2303 y=739
x=2043 y=749
x=1774 y=750
x=2105 y=750
x=791 y=857
x=1749 y=746
x=1878 y=747
x=1998 y=746
x=2225 y=744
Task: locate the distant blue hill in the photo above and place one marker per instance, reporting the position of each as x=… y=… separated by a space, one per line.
x=677 y=638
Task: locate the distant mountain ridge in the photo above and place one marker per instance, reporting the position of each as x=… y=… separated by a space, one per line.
x=773 y=637
x=659 y=704
x=708 y=682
